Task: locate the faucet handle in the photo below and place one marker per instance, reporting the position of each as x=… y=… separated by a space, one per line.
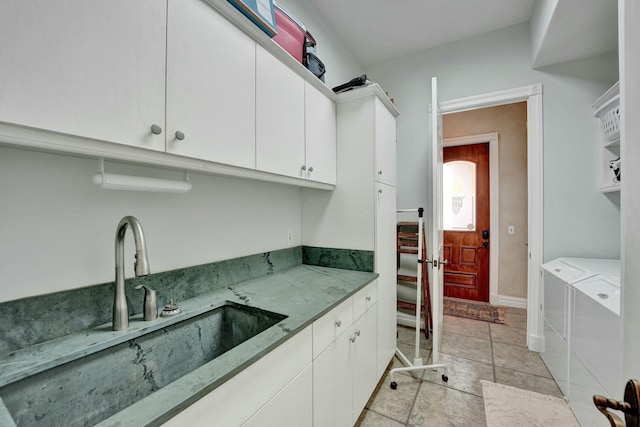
x=150 y=306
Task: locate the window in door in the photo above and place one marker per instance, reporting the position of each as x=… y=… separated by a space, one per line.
x=459 y=195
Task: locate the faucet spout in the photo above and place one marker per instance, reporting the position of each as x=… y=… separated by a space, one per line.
x=120 y=307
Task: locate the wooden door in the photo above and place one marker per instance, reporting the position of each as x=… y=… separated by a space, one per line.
x=467 y=216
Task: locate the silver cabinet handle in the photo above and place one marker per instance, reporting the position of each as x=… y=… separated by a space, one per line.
x=339 y=323
x=379 y=172
x=311 y=169
x=155 y=129
x=369 y=298
x=380 y=191
x=357 y=333
x=179 y=135
x=304 y=167
x=352 y=339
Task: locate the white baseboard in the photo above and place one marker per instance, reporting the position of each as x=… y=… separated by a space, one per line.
x=514 y=302
x=409 y=320
x=536 y=343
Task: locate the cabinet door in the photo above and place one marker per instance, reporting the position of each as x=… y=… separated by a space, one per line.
x=385 y=144
x=235 y=401
x=320 y=136
x=365 y=377
x=88 y=68
x=332 y=384
x=279 y=117
x=385 y=266
x=291 y=407
x=210 y=86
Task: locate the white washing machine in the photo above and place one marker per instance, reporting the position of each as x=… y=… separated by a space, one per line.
x=596 y=338
x=558 y=276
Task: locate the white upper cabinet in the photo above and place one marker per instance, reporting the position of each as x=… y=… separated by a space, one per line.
x=295 y=124
x=210 y=86
x=385 y=144
x=320 y=132
x=279 y=117
x=94 y=69
x=182 y=78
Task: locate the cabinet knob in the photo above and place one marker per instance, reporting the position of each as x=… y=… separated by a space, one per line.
x=304 y=167
x=380 y=191
x=311 y=169
x=179 y=135
x=369 y=298
x=358 y=333
x=352 y=339
x=339 y=323
x=379 y=172
x=155 y=129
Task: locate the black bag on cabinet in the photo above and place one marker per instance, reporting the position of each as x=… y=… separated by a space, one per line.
x=310 y=59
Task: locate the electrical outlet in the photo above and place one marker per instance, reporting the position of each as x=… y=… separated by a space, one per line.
x=289 y=238
x=511 y=229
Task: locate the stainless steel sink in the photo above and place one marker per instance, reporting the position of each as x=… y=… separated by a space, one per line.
x=91 y=389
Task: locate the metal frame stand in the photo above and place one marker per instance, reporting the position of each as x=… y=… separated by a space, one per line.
x=417 y=364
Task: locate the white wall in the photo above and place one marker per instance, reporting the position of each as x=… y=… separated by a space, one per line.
x=57 y=229
x=340 y=63
x=578 y=219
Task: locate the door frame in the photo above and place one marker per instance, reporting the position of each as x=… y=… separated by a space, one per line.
x=494 y=197
x=533 y=96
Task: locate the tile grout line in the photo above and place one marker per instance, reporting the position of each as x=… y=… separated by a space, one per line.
x=493 y=358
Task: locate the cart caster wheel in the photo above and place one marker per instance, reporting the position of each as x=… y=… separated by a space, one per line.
x=393 y=385
x=445 y=378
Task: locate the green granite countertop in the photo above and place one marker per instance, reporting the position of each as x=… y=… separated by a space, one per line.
x=302 y=293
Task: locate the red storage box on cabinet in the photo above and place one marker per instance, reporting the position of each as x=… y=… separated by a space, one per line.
x=291 y=32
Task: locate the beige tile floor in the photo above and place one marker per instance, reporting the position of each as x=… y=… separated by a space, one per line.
x=472 y=351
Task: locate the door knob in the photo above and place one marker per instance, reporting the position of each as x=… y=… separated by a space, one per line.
x=156 y=130
x=630 y=406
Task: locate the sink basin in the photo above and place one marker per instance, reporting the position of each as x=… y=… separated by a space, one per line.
x=91 y=389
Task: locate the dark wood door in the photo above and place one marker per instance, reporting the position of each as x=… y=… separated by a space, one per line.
x=466 y=234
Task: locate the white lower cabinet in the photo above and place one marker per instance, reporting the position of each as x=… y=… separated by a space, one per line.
x=332 y=383
x=364 y=360
x=344 y=373
x=291 y=407
x=323 y=376
x=242 y=396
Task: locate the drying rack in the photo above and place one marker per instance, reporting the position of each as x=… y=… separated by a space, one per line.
x=417 y=364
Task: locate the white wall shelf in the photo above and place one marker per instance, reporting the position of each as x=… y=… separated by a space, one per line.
x=609 y=140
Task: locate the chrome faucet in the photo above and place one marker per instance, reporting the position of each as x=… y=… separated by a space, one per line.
x=120 y=308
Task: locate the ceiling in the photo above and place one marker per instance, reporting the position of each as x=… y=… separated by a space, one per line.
x=379 y=30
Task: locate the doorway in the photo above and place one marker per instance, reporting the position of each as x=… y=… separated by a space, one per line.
x=506 y=235
x=532 y=96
